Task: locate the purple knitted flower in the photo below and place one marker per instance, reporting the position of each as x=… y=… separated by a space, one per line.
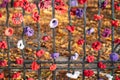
x=28 y=31
x=114 y=56
x=74 y=3
x=4 y=3
x=90 y=31
x=79 y=12
x=106 y=32
x=104 y=4
x=55 y=55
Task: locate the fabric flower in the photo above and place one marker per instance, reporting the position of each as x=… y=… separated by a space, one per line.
x=117 y=6
x=88 y=73
x=96 y=45
x=30 y=79
x=55 y=55
x=115 y=23
x=28 y=31
x=79 y=13
x=90 y=59
x=101 y=65
x=3 y=45
x=75 y=56
x=20 y=44
x=16 y=75
x=35 y=16
x=106 y=32
x=117 y=78
x=90 y=31
x=53 y=23
x=117 y=41
x=17 y=18
x=104 y=4
x=19 y=61
x=9 y=31
x=53 y=67
x=46 y=38
x=82 y=1
x=80 y=42
x=70 y=28
x=114 y=56
x=74 y=3
x=3 y=63
x=1 y=75
x=44 y=4
x=35 y=66
x=98 y=17
x=40 y=53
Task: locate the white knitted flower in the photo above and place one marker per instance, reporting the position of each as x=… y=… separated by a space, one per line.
x=20 y=44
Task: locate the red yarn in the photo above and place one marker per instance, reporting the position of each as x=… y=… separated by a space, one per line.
x=96 y=45
x=90 y=59
x=82 y=1
x=80 y=42
x=35 y=66
x=88 y=73
x=101 y=65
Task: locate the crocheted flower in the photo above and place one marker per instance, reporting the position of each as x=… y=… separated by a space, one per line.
x=90 y=59
x=20 y=44
x=98 y=17
x=104 y=4
x=30 y=7
x=117 y=5
x=16 y=75
x=35 y=16
x=115 y=23
x=1 y=75
x=96 y=45
x=117 y=41
x=70 y=28
x=80 y=42
x=0 y=15
x=44 y=4
x=40 y=53
x=53 y=23
x=53 y=67
x=73 y=11
x=23 y=3
x=17 y=18
x=30 y=79
x=82 y=1
x=79 y=13
x=55 y=55
x=74 y=3
x=46 y=38
x=90 y=31
x=88 y=73
x=114 y=56
x=28 y=31
x=101 y=65
x=3 y=63
x=75 y=56
x=35 y=66
x=117 y=78
x=9 y=31
x=107 y=32
x=19 y=61
x=4 y=3
x=3 y=45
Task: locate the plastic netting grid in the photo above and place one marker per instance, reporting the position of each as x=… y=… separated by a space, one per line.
x=69 y=62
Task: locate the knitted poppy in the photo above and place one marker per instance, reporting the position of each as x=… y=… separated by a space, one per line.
x=117 y=6
x=117 y=78
x=16 y=4
x=80 y=41
x=44 y=4
x=40 y=53
x=30 y=79
x=117 y=41
x=96 y=45
x=114 y=56
x=101 y=65
x=1 y=75
x=23 y=3
x=3 y=45
x=73 y=11
x=20 y=44
x=35 y=16
x=19 y=61
x=55 y=55
x=28 y=31
x=79 y=13
x=17 y=18
x=30 y=7
x=4 y=3
x=90 y=59
x=75 y=56
x=46 y=38
x=34 y=66
x=9 y=31
x=118 y=66
x=98 y=17
x=53 y=67
x=88 y=73
x=115 y=23
x=53 y=23
x=70 y=28
x=74 y=3
x=16 y=75
x=0 y=15
x=82 y=1
x=104 y=4
x=3 y=63
x=90 y=31
x=106 y=32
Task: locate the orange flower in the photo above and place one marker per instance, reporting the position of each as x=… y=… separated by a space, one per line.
x=9 y=31
x=53 y=67
x=35 y=66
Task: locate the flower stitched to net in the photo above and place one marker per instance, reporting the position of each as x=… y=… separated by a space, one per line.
x=106 y=32
x=88 y=73
x=30 y=79
x=90 y=59
x=44 y=4
x=82 y=1
x=53 y=67
x=117 y=41
x=55 y=55
x=117 y=5
x=117 y=78
x=3 y=45
x=34 y=66
x=28 y=31
x=0 y=15
x=114 y=56
x=40 y=53
x=79 y=13
x=16 y=75
x=19 y=61
x=9 y=31
x=115 y=23
x=30 y=7
x=104 y=4
x=17 y=18
x=1 y=75
x=70 y=28
x=74 y=3
x=101 y=65
x=80 y=41
x=96 y=45
x=3 y=63
x=98 y=17
x=4 y=3
x=35 y=16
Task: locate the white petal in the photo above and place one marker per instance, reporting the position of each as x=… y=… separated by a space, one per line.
x=53 y=25
x=20 y=44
